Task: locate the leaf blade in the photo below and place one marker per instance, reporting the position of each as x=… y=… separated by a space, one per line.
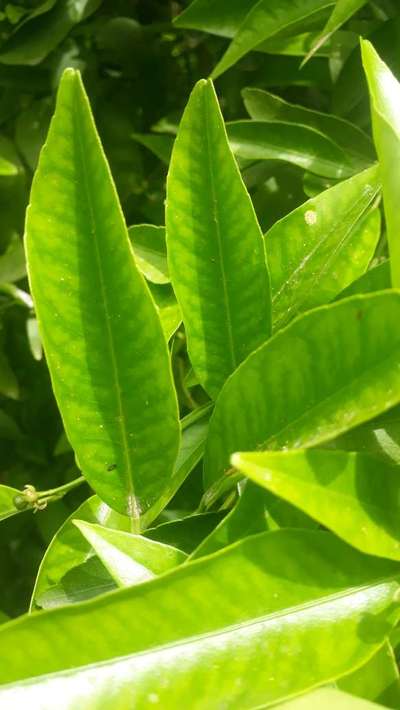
x=115 y=442
x=212 y=233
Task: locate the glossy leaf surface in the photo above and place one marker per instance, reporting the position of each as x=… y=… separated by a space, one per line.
x=215 y=248
x=322 y=246
x=297 y=144
x=290 y=581
x=266 y=19
x=96 y=317
x=264 y=106
x=384 y=92
x=352 y=494
x=130 y=559
x=330 y=370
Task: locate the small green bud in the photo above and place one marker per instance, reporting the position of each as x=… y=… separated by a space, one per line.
x=20 y=502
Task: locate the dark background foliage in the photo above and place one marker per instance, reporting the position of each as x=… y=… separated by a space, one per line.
x=138 y=69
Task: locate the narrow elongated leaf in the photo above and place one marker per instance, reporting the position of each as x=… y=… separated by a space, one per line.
x=150 y=251
x=7 y=505
x=352 y=494
x=297 y=144
x=299 y=596
x=377 y=680
x=264 y=106
x=130 y=559
x=215 y=16
x=328 y=699
x=103 y=341
x=215 y=249
x=384 y=92
x=343 y=11
x=322 y=375
x=266 y=19
x=322 y=246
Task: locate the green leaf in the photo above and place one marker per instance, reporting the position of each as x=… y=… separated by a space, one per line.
x=320 y=376
x=215 y=16
x=352 y=494
x=102 y=337
x=379 y=436
x=130 y=559
x=300 y=596
x=343 y=11
x=160 y=145
x=215 y=248
x=167 y=307
x=194 y=434
x=328 y=699
x=384 y=92
x=150 y=251
x=255 y=511
x=69 y=549
x=37 y=38
x=266 y=19
x=264 y=106
x=7 y=505
x=85 y=581
x=375 y=279
x=297 y=144
x=322 y=246
x=12 y=262
x=378 y=679
x=185 y=533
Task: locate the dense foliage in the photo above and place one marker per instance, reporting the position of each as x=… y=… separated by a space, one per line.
x=199 y=354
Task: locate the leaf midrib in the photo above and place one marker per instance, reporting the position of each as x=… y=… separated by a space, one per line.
x=133 y=507
x=215 y=216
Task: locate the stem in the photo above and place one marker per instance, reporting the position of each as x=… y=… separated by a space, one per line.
x=61 y=490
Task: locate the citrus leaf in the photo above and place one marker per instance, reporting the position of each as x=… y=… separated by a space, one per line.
x=216 y=253
x=322 y=246
x=264 y=106
x=266 y=19
x=299 y=596
x=384 y=92
x=352 y=494
x=102 y=337
x=130 y=559
x=297 y=144
x=320 y=376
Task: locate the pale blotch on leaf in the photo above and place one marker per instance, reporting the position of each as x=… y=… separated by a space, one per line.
x=310 y=217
